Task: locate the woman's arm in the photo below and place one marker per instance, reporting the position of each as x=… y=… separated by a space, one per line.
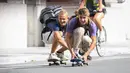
x=92 y=46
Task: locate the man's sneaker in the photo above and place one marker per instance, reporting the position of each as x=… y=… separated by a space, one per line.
x=62 y=56
x=53 y=56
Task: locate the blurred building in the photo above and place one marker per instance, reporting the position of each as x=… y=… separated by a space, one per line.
x=19 y=20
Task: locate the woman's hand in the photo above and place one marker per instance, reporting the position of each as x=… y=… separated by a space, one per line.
x=85 y=58
x=73 y=55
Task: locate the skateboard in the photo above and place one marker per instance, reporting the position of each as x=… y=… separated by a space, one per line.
x=55 y=62
x=78 y=62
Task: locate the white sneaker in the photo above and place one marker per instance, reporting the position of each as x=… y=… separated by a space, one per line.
x=53 y=56
x=62 y=56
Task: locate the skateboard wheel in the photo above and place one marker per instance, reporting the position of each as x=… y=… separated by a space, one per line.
x=72 y=65
x=81 y=64
x=57 y=63
x=49 y=64
x=85 y=63
x=61 y=62
x=65 y=63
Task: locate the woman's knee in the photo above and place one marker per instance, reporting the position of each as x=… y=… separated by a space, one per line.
x=87 y=39
x=79 y=31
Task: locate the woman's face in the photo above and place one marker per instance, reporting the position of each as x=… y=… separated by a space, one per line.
x=63 y=19
x=83 y=19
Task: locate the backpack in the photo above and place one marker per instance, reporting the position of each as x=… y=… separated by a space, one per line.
x=49 y=15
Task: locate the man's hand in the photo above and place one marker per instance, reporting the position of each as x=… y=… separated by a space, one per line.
x=85 y=58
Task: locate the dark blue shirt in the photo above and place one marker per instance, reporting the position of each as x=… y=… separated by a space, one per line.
x=55 y=26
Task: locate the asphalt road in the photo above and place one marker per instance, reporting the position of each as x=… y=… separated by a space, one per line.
x=113 y=64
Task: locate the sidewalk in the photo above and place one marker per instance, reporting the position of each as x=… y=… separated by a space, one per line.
x=31 y=54
x=24 y=55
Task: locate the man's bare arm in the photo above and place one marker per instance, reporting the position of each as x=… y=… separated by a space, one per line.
x=58 y=37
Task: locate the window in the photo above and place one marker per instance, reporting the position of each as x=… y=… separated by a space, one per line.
x=3 y=1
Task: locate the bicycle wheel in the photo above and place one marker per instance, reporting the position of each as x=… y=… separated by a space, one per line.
x=100 y=50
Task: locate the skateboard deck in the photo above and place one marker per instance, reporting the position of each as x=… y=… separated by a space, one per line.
x=55 y=62
x=75 y=60
x=52 y=60
x=78 y=62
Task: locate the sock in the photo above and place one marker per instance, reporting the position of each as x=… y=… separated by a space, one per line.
x=76 y=51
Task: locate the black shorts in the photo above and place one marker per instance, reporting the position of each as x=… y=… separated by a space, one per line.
x=92 y=13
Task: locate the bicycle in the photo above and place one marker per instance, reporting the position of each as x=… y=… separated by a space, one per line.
x=99 y=49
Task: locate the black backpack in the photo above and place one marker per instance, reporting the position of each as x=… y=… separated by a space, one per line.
x=49 y=15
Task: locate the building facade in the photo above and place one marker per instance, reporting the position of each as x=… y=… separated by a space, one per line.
x=20 y=26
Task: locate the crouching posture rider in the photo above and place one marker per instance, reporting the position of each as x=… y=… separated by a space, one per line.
x=76 y=34
x=99 y=6
x=58 y=31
